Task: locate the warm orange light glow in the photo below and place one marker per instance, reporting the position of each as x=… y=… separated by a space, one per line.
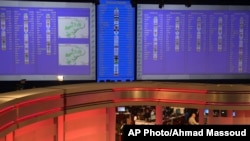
x=162 y=89
x=60 y=128
x=38 y=100
x=160 y=100
x=2 y=112
x=38 y=114
x=228 y=103
x=7 y=109
x=90 y=125
x=6 y=125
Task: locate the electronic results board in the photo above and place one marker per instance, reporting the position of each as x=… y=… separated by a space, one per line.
x=42 y=40
x=115 y=41
x=198 y=42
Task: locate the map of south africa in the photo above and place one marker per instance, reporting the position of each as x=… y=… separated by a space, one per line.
x=73 y=54
x=73 y=27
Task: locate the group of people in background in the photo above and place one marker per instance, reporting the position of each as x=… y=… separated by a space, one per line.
x=185 y=116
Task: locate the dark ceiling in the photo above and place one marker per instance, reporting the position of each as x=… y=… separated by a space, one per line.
x=198 y=2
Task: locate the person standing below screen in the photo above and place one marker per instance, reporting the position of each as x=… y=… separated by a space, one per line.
x=152 y=115
x=192 y=120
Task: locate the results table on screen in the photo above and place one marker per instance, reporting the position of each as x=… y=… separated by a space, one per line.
x=46 y=39
x=115 y=35
x=177 y=41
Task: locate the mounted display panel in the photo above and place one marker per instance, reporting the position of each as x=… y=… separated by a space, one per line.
x=44 y=40
x=115 y=41
x=197 y=42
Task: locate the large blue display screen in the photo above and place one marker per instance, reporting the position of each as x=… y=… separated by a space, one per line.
x=115 y=40
x=199 y=42
x=41 y=40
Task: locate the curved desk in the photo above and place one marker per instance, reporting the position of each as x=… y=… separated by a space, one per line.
x=22 y=108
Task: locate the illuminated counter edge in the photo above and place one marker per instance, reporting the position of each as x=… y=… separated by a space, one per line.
x=65 y=99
